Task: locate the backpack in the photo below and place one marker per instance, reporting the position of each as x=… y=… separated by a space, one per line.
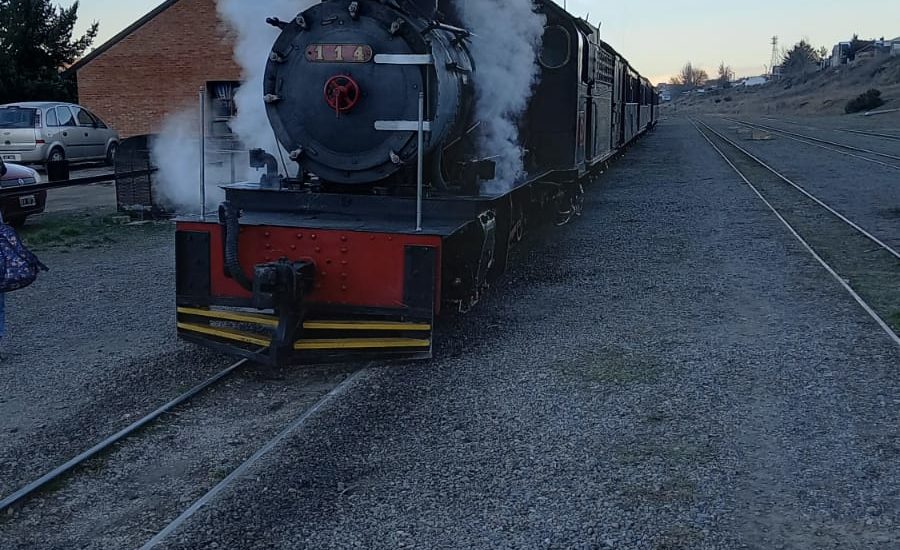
x=19 y=267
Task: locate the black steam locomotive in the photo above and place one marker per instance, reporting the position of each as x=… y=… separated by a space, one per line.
x=396 y=212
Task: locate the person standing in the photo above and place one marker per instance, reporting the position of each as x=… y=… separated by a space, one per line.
x=2 y=309
x=2 y=318
x=19 y=267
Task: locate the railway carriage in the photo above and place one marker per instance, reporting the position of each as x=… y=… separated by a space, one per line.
x=389 y=221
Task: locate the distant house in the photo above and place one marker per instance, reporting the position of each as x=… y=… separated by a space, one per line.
x=857 y=50
x=754 y=81
x=158 y=65
x=887 y=47
x=867 y=51
x=841 y=53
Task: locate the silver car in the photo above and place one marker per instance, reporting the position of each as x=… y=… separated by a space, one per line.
x=38 y=132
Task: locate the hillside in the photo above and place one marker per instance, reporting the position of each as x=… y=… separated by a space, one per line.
x=820 y=93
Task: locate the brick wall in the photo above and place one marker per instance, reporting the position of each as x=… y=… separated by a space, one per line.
x=158 y=69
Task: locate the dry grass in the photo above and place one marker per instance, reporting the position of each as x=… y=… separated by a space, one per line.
x=820 y=93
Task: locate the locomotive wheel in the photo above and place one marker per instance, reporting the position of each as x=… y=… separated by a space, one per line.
x=519 y=231
x=578 y=201
x=570 y=206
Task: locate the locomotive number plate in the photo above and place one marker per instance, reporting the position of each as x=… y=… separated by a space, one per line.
x=339 y=53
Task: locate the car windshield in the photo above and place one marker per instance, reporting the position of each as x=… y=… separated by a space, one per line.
x=14 y=117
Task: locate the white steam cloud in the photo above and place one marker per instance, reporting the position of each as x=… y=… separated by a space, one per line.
x=505 y=47
x=176 y=150
x=254 y=40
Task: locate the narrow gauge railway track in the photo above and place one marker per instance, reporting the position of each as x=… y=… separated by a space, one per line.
x=891 y=137
x=867 y=268
x=146 y=488
x=245 y=466
x=69 y=466
x=840 y=148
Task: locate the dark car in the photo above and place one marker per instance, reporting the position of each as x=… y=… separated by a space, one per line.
x=18 y=198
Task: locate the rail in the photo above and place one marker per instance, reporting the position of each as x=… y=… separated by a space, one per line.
x=60 y=471
x=74 y=182
x=842 y=263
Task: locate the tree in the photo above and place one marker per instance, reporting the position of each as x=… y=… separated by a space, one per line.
x=726 y=75
x=690 y=77
x=800 y=59
x=35 y=44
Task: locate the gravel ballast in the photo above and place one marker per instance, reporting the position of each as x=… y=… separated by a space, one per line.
x=671 y=371
x=864 y=192
x=886 y=123
x=116 y=500
x=90 y=347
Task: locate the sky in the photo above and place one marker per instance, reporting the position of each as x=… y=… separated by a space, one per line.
x=659 y=36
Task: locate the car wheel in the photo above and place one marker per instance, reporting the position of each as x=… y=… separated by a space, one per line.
x=111 y=154
x=56 y=155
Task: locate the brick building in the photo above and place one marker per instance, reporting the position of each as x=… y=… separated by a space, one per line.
x=157 y=66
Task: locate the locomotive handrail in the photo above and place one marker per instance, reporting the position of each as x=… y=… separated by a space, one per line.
x=421 y=160
x=404 y=59
x=402 y=125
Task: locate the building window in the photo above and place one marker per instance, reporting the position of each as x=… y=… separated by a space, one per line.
x=220 y=98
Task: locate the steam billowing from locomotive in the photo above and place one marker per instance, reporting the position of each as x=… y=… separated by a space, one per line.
x=485 y=66
x=252 y=46
x=375 y=65
x=505 y=45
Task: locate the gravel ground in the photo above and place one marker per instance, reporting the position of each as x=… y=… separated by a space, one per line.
x=864 y=192
x=876 y=144
x=68 y=199
x=122 y=498
x=672 y=371
x=872 y=272
x=888 y=123
x=94 y=196
x=90 y=347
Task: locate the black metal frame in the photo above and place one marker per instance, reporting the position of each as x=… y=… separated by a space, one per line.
x=74 y=182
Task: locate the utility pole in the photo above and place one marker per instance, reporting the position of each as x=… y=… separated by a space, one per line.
x=774 y=55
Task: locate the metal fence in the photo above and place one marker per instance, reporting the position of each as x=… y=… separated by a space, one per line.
x=142 y=192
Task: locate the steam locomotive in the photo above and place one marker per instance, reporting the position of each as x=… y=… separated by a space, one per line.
x=397 y=212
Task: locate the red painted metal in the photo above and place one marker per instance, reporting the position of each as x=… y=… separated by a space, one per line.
x=352 y=268
x=342 y=93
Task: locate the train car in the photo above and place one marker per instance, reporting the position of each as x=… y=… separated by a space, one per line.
x=388 y=222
